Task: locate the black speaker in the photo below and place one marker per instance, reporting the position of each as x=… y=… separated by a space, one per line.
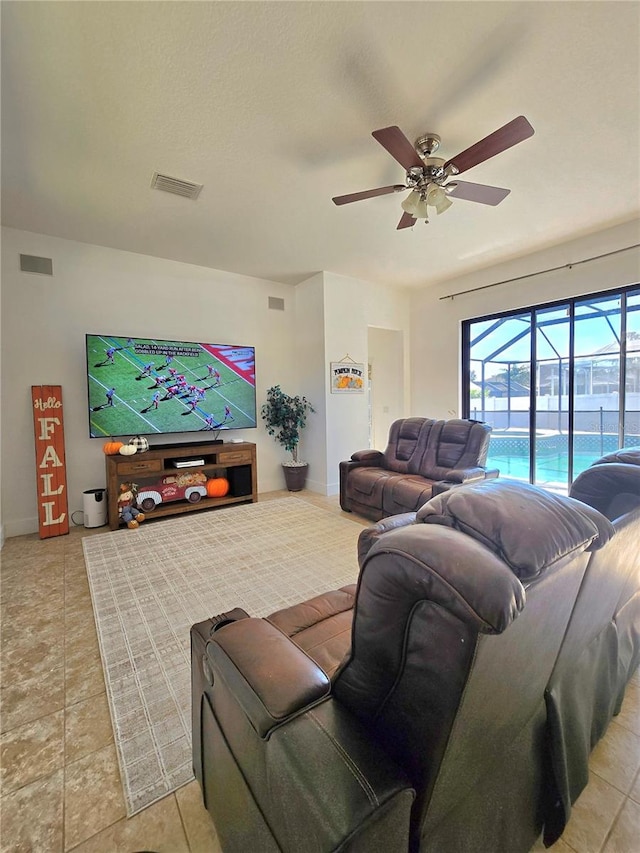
x=239 y=478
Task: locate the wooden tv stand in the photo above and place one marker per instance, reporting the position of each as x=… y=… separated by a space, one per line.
x=235 y=461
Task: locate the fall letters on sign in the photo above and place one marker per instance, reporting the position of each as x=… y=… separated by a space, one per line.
x=51 y=475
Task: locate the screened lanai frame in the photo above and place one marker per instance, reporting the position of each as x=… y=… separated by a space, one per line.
x=584 y=355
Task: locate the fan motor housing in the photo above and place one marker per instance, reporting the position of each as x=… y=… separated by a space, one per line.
x=433 y=172
x=427 y=144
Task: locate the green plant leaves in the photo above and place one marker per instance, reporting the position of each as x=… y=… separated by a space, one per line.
x=285 y=417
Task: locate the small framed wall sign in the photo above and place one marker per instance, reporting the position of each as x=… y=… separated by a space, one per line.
x=347 y=377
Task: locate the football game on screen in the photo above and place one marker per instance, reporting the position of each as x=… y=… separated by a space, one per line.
x=140 y=386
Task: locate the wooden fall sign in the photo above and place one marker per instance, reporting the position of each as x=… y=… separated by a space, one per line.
x=51 y=474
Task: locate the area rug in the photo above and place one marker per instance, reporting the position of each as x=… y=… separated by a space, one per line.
x=149 y=585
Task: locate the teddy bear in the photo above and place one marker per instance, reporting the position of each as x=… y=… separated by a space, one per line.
x=127 y=509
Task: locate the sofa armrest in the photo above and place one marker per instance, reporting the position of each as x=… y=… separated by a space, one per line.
x=271 y=678
x=370 y=535
x=462 y=477
x=318 y=779
x=465 y=475
x=360 y=459
x=369 y=457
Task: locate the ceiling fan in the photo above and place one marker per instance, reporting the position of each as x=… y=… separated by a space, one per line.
x=429 y=178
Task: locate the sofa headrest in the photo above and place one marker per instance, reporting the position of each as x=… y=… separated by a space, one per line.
x=527 y=527
x=611 y=487
x=628 y=455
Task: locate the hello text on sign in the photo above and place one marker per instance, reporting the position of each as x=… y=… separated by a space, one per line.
x=51 y=475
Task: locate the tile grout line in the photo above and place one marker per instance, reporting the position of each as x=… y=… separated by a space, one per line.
x=613 y=824
x=612 y=784
x=182 y=823
x=636 y=778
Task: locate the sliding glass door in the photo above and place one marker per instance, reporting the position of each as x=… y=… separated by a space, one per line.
x=632 y=372
x=559 y=384
x=551 y=398
x=597 y=412
x=499 y=388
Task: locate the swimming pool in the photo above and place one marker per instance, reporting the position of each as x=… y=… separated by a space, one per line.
x=509 y=451
x=552 y=472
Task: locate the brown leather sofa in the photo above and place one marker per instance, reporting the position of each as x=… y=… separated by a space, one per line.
x=423 y=457
x=601 y=648
x=407 y=713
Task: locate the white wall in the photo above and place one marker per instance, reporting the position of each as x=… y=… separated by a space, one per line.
x=436 y=324
x=351 y=307
x=309 y=337
x=386 y=359
x=94 y=289
x=333 y=316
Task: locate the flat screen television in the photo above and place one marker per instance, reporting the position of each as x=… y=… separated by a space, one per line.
x=144 y=386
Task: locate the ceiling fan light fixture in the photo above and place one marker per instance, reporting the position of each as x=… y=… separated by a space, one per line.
x=416 y=205
x=437 y=197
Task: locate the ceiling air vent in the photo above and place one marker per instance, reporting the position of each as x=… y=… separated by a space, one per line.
x=177 y=186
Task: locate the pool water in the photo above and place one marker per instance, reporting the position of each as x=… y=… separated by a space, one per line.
x=551 y=470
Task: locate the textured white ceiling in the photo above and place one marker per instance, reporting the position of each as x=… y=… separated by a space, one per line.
x=271 y=105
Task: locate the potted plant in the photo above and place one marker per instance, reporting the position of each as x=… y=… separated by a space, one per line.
x=285 y=418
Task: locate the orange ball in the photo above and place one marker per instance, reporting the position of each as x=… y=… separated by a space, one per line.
x=217 y=487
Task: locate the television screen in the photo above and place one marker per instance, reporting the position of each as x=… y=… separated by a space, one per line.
x=142 y=386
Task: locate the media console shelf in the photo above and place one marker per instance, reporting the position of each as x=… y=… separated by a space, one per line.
x=235 y=461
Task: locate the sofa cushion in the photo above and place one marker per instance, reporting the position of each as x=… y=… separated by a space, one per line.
x=367 y=483
x=366 y=488
x=320 y=626
x=460 y=444
x=406 y=494
x=548 y=528
x=408 y=438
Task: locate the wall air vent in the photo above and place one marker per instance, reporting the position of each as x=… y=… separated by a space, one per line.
x=177 y=186
x=32 y=263
x=276 y=304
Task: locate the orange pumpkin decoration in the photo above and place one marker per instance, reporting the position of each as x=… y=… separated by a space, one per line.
x=217 y=487
x=112 y=447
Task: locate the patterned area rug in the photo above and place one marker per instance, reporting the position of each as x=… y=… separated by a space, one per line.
x=150 y=585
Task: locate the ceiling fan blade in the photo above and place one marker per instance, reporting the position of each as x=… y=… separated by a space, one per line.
x=482 y=193
x=347 y=199
x=406 y=221
x=515 y=131
x=397 y=144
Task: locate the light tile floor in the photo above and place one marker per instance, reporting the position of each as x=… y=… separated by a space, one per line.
x=60 y=785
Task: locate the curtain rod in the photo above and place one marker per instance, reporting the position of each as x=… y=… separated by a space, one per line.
x=541 y=272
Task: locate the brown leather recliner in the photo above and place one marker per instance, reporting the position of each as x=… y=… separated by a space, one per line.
x=612 y=486
x=423 y=457
x=314 y=729
x=601 y=648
